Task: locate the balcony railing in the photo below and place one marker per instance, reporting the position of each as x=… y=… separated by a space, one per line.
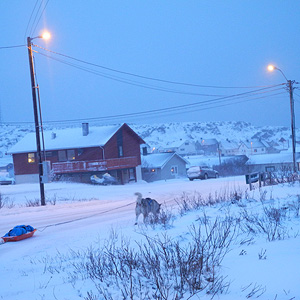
x=94 y=165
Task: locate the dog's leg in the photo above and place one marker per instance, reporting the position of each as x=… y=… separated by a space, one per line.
x=137 y=213
x=145 y=217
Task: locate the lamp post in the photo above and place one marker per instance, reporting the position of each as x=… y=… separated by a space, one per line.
x=36 y=115
x=290 y=89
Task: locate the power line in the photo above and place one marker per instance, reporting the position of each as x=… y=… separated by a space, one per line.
x=9 y=47
x=136 y=83
x=30 y=19
x=198 y=106
x=128 y=81
x=40 y=16
x=146 y=77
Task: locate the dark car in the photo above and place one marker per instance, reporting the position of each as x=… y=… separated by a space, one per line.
x=201 y=172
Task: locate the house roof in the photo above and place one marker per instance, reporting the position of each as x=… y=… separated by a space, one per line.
x=275 y=158
x=255 y=144
x=158 y=160
x=68 y=138
x=208 y=142
x=229 y=145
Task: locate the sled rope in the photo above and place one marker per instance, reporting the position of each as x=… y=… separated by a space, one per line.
x=82 y=218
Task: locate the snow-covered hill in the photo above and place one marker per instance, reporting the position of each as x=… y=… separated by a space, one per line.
x=164 y=134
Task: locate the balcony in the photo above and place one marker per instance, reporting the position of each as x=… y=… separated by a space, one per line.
x=94 y=165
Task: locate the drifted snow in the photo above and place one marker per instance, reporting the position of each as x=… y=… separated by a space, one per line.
x=84 y=215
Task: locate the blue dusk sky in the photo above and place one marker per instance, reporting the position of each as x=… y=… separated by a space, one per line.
x=151 y=61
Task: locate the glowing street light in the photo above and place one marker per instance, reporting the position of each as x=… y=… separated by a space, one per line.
x=290 y=89
x=45 y=35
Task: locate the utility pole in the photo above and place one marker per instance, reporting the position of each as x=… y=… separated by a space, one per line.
x=36 y=120
x=290 y=87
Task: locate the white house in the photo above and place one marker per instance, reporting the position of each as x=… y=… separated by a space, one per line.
x=180 y=147
x=253 y=147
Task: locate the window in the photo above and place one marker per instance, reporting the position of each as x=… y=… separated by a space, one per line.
x=50 y=153
x=120 y=151
x=30 y=158
x=62 y=156
x=71 y=154
x=174 y=170
x=270 y=169
x=66 y=155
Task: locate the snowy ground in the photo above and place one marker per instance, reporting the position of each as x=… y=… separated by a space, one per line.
x=85 y=215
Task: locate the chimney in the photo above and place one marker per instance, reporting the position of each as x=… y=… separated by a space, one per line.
x=85 y=129
x=53 y=135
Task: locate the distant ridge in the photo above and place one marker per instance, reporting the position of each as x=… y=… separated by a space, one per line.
x=163 y=134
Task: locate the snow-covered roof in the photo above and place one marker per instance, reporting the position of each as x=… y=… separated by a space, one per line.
x=255 y=144
x=68 y=138
x=275 y=158
x=229 y=145
x=209 y=142
x=158 y=160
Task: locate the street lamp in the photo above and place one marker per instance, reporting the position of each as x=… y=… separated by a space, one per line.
x=290 y=89
x=35 y=111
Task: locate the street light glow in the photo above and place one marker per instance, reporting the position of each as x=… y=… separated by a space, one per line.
x=271 y=68
x=46 y=35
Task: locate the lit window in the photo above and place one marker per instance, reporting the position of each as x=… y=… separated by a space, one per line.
x=71 y=154
x=174 y=170
x=153 y=170
x=31 y=158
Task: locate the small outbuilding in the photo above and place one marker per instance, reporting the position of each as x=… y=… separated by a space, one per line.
x=163 y=166
x=272 y=162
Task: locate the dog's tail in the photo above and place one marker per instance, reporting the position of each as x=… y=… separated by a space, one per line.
x=139 y=197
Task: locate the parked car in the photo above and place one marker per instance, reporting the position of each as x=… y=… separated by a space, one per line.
x=5 y=180
x=201 y=172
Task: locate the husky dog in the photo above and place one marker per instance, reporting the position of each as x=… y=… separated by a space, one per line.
x=145 y=206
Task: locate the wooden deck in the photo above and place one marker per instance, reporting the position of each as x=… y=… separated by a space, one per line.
x=94 y=165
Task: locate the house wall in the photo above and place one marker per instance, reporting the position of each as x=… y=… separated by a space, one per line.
x=166 y=170
x=149 y=176
x=165 y=173
x=277 y=167
x=187 y=148
x=21 y=165
x=131 y=146
x=27 y=178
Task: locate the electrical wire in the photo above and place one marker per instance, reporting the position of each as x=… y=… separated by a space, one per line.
x=135 y=83
x=145 y=77
x=30 y=19
x=127 y=81
x=8 y=47
x=34 y=21
x=171 y=110
x=40 y=16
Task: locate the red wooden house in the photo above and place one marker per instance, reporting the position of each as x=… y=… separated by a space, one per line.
x=78 y=153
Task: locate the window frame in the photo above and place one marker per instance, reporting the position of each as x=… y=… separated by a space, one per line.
x=31 y=158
